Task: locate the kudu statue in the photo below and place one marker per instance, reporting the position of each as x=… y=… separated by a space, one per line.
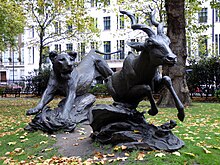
x=139 y=75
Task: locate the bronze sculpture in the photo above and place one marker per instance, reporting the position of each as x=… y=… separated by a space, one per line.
x=74 y=82
x=139 y=75
x=121 y=123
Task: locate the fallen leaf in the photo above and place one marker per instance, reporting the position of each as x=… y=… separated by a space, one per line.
x=206 y=151
x=43 y=142
x=76 y=144
x=47 y=149
x=8 y=153
x=190 y=154
x=160 y=155
x=123 y=147
x=53 y=136
x=98 y=155
x=121 y=158
x=127 y=154
x=136 y=131
x=140 y=156
x=24 y=140
x=17 y=150
x=176 y=153
x=215 y=147
x=111 y=155
x=116 y=148
x=3 y=158
x=11 y=143
x=81 y=138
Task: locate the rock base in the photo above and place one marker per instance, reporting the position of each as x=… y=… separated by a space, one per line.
x=50 y=120
x=119 y=125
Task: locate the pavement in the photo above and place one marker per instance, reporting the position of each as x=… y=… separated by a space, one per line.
x=79 y=143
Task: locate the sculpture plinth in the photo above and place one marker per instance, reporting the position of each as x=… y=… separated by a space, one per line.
x=119 y=125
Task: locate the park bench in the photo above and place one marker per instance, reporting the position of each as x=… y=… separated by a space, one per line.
x=15 y=91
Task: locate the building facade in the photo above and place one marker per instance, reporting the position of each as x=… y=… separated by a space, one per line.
x=114 y=33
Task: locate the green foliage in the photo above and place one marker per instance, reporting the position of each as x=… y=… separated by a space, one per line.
x=99 y=89
x=2 y=89
x=217 y=94
x=204 y=72
x=58 y=16
x=41 y=80
x=12 y=22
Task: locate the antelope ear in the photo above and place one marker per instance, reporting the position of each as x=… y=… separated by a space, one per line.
x=72 y=54
x=138 y=46
x=52 y=55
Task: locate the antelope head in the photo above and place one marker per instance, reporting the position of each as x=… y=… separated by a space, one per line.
x=157 y=43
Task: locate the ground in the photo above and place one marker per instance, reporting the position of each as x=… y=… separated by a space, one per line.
x=77 y=143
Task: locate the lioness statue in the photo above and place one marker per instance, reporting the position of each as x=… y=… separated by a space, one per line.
x=74 y=82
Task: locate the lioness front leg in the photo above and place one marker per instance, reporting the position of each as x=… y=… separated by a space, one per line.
x=48 y=95
x=70 y=100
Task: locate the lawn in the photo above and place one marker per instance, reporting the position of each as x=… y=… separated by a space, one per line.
x=200 y=131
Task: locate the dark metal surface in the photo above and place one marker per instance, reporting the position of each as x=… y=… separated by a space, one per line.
x=139 y=75
x=121 y=123
x=74 y=82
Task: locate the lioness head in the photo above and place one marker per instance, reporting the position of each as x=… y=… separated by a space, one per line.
x=63 y=63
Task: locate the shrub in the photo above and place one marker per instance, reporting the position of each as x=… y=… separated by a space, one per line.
x=41 y=80
x=99 y=89
x=217 y=94
x=2 y=89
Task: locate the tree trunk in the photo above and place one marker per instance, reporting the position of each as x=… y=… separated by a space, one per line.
x=177 y=34
x=41 y=51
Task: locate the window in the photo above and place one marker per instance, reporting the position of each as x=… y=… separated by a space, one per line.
x=217 y=15
x=95 y=20
x=121 y=23
x=22 y=73
x=217 y=44
x=107 y=23
x=94 y=45
x=3 y=76
x=31 y=55
x=82 y=50
x=13 y=74
x=57 y=26
x=32 y=31
x=94 y=3
x=69 y=47
x=58 y=47
x=203 y=15
x=70 y=28
x=121 y=45
x=107 y=49
x=203 y=46
x=22 y=56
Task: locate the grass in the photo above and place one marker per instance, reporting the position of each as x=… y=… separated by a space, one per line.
x=200 y=131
